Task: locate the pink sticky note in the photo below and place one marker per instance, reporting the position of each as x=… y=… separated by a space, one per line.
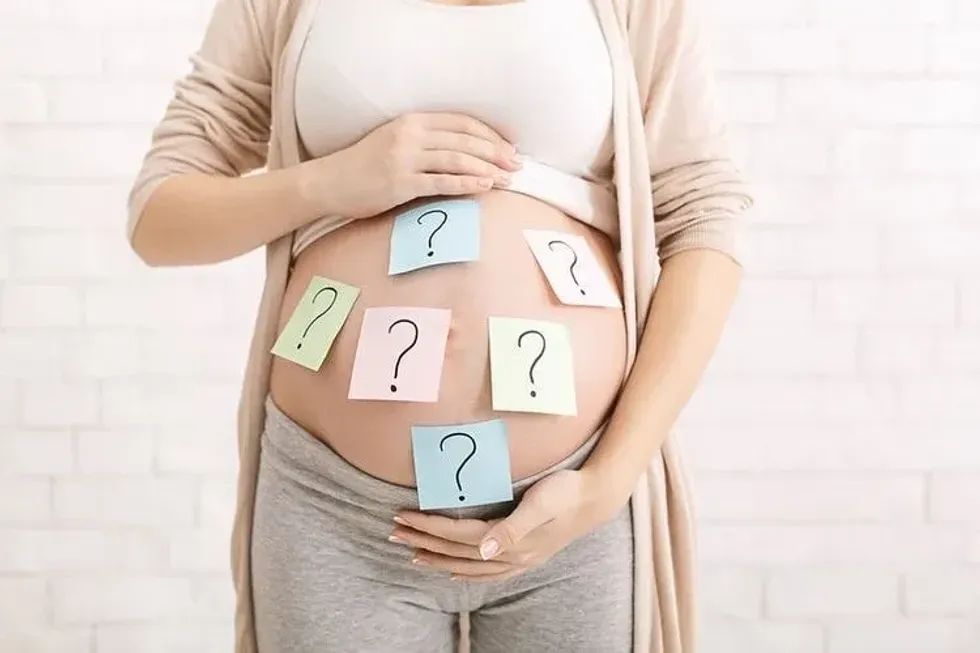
x=399 y=354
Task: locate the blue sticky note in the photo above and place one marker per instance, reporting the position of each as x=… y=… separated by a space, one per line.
x=462 y=465
x=435 y=233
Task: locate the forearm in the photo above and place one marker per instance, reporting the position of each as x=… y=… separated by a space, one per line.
x=691 y=304
x=194 y=219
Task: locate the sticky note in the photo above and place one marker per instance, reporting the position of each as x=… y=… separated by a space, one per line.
x=572 y=269
x=435 y=234
x=462 y=464
x=531 y=366
x=317 y=319
x=400 y=353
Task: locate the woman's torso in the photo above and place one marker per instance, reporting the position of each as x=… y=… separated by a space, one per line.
x=545 y=84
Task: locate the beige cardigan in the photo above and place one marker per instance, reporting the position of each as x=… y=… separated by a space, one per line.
x=233 y=113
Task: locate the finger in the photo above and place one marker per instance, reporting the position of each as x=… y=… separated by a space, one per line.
x=420 y=540
x=435 y=544
x=437 y=184
x=459 y=163
x=461 y=567
x=507 y=533
x=463 y=124
x=463 y=531
x=499 y=154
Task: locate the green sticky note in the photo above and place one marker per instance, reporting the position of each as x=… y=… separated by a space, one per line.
x=320 y=314
x=531 y=366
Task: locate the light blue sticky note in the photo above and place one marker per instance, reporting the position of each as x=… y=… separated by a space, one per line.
x=435 y=233
x=462 y=464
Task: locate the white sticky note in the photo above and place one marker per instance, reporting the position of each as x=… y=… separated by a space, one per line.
x=572 y=269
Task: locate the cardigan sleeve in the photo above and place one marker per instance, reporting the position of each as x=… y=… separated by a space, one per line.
x=699 y=191
x=217 y=120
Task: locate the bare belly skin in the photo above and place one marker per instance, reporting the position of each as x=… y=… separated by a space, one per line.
x=375 y=436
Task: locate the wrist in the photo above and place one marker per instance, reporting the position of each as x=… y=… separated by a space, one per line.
x=605 y=491
x=316 y=183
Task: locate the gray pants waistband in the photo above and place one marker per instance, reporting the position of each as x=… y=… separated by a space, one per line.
x=320 y=465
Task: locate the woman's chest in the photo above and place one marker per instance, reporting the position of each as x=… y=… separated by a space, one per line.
x=538 y=71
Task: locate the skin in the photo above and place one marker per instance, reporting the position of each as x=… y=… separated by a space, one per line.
x=375 y=436
x=196 y=219
x=199 y=219
x=693 y=299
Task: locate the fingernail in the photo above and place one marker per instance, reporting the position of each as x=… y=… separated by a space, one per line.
x=501 y=180
x=396 y=539
x=399 y=520
x=418 y=561
x=489 y=549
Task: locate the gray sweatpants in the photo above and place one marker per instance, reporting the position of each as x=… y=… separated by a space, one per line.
x=327 y=580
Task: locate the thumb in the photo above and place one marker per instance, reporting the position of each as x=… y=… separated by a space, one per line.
x=506 y=533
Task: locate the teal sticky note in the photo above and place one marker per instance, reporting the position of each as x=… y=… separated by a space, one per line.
x=435 y=233
x=317 y=319
x=462 y=464
x=531 y=366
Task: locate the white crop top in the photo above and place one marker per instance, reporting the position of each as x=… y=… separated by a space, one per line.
x=536 y=70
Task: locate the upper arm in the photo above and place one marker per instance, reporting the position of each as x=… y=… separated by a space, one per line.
x=217 y=120
x=699 y=191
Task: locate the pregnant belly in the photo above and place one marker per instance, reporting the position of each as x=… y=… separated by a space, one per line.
x=506 y=281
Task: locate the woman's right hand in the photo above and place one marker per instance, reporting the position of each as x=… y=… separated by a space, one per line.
x=415 y=155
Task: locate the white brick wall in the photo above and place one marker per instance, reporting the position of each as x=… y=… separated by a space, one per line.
x=833 y=443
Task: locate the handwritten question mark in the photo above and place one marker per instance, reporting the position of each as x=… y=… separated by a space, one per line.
x=544 y=345
x=415 y=340
x=465 y=460
x=571 y=268
x=299 y=345
x=445 y=216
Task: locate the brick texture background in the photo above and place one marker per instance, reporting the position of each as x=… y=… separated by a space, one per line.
x=835 y=443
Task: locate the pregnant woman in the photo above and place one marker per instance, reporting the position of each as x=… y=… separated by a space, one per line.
x=306 y=127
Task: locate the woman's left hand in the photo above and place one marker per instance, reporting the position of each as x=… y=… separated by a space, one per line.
x=553 y=512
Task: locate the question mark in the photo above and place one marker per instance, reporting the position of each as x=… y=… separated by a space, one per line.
x=398 y=362
x=445 y=216
x=465 y=460
x=299 y=345
x=544 y=345
x=571 y=268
